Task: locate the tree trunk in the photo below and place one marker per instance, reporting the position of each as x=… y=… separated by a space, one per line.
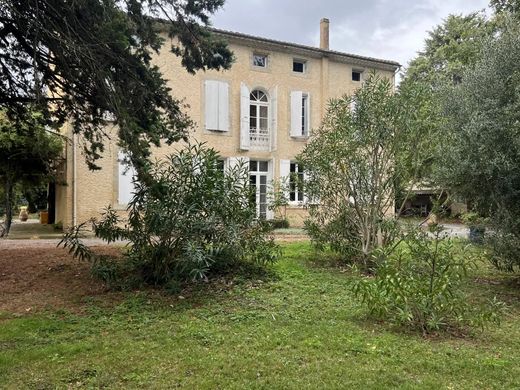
x=8 y=203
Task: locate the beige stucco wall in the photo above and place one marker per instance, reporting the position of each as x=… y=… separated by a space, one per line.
x=324 y=78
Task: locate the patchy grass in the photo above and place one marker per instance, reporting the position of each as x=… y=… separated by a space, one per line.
x=299 y=329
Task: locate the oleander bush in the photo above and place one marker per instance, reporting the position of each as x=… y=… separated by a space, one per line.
x=194 y=218
x=421 y=285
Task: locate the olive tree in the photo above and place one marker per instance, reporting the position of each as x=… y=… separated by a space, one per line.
x=369 y=144
x=480 y=161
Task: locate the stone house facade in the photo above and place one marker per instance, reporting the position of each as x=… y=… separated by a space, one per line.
x=262 y=110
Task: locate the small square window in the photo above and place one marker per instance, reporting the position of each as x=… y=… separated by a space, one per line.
x=260 y=60
x=356 y=75
x=298 y=66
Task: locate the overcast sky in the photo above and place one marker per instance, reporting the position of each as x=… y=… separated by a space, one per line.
x=388 y=29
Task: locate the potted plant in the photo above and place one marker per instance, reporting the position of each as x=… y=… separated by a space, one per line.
x=24 y=216
x=477 y=226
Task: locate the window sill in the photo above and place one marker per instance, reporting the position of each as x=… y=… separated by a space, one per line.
x=217 y=133
x=300 y=74
x=263 y=69
x=300 y=137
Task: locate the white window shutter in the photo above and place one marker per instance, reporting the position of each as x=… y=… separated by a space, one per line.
x=274 y=118
x=125 y=180
x=305 y=180
x=285 y=173
x=296 y=113
x=223 y=106
x=353 y=105
x=234 y=163
x=270 y=176
x=244 y=117
x=211 y=91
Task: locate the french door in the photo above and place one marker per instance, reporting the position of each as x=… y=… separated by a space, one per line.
x=260 y=178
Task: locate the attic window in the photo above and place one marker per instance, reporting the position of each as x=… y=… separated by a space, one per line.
x=356 y=75
x=298 y=66
x=260 y=60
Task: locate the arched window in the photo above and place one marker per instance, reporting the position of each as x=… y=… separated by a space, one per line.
x=259 y=118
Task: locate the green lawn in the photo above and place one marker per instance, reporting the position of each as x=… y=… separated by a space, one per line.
x=300 y=328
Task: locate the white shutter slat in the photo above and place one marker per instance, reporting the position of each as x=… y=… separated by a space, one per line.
x=270 y=176
x=244 y=117
x=211 y=92
x=223 y=106
x=274 y=118
x=285 y=172
x=296 y=113
x=285 y=169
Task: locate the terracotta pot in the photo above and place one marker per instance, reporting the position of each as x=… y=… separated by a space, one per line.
x=23 y=214
x=432 y=219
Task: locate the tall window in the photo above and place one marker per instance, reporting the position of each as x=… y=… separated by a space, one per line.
x=258 y=118
x=296 y=183
x=259 y=177
x=305 y=115
x=300 y=110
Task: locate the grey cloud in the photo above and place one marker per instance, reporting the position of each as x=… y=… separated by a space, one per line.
x=390 y=29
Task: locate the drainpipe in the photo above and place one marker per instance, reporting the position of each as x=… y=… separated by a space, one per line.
x=74 y=184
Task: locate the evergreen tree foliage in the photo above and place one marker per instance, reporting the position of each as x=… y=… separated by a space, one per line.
x=91 y=60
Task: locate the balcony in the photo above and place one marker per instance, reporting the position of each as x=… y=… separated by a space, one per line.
x=259 y=139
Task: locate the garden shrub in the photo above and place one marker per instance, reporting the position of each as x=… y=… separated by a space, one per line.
x=194 y=218
x=420 y=285
x=368 y=145
x=505 y=254
x=279 y=223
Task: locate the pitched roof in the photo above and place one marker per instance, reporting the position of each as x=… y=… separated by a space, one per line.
x=315 y=50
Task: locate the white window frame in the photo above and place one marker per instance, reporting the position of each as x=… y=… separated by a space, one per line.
x=287 y=178
x=297 y=190
x=259 y=137
x=269 y=214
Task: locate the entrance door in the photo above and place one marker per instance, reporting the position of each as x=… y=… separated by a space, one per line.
x=260 y=179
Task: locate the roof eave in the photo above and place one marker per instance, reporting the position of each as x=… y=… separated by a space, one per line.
x=311 y=51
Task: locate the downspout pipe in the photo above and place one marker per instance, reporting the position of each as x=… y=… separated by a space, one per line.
x=74 y=181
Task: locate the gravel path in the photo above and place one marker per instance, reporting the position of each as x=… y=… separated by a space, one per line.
x=452 y=230
x=46 y=243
